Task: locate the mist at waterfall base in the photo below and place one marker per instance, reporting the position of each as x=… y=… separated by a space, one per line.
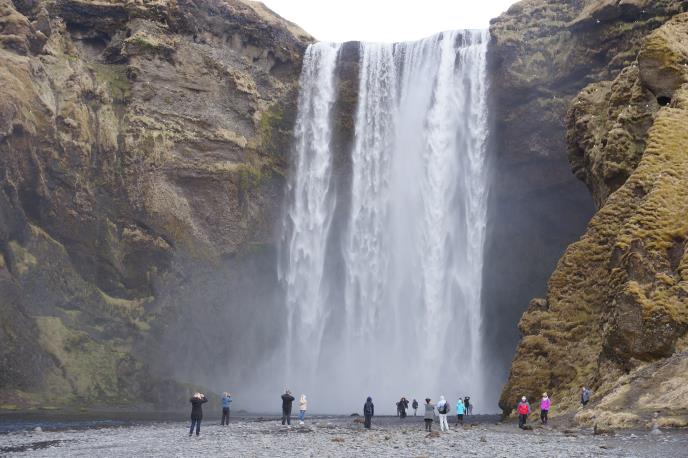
x=381 y=270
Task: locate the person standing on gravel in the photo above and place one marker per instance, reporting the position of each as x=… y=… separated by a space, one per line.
x=442 y=411
x=368 y=412
x=585 y=396
x=467 y=404
x=545 y=404
x=460 y=411
x=523 y=411
x=429 y=414
x=303 y=405
x=197 y=402
x=287 y=399
x=415 y=406
x=226 y=401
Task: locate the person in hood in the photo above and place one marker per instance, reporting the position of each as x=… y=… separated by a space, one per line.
x=442 y=411
x=429 y=414
x=197 y=401
x=523 y=411
x=226 y=401
x=368 y=412
x=287 y=399
x=303 y=406
x=545 y=404
x=414 y=404
x=460 y=411
x=585 y=396
x=467 y=404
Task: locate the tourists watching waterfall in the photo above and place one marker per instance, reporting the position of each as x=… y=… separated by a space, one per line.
x=226 y=401
x=303 y=405
x=429 y=414
x=460 y=410
x=287 y=399
x=197 y=401
x=442 y=411
x=368 y=412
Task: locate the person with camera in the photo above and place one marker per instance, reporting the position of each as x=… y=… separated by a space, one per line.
x=287 y=399
x=197 y=402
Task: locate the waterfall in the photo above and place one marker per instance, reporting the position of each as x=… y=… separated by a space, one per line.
x=401 y=316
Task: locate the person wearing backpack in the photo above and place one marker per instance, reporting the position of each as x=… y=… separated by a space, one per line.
x=368 y=412
x=460 y=411
x=523 y=411
x=443 y=410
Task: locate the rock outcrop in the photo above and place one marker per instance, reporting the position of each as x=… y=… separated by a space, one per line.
x=140 y=142
x=615 y=315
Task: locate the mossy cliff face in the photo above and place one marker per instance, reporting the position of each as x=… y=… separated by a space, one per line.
x=542 y=53
x=616 y=312
x=137 y=138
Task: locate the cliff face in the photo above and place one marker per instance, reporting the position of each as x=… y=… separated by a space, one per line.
x=542 y=54
x=615 y=315
x=140 y=143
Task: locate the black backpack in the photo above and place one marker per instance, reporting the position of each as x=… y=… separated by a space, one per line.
x=445 y=408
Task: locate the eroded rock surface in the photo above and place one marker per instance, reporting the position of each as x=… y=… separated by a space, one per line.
x=616 y=313
x=136 y=138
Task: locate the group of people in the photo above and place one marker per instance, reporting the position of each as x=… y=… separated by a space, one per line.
x=287 y=400
x=441 y=409
x=523 y=407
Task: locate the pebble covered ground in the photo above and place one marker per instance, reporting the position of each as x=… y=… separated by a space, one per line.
x=337 y=437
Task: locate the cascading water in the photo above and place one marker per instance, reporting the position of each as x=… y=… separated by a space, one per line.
x=401 y=315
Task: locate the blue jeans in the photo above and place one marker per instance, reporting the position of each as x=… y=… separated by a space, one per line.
x=302 y=414
x=197 y=423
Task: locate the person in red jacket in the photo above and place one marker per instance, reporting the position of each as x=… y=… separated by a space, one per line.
x=523 y=411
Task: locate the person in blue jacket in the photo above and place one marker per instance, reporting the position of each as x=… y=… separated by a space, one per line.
x=226 y=401
x=460 y=411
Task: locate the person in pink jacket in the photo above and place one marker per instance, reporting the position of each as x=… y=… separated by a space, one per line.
x=545 y=404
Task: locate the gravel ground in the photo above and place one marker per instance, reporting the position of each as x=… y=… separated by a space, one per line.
x=337 y=437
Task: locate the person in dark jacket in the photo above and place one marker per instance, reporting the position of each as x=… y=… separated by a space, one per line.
x=467 y=404
x=287 y=399
x=197 y=402
x=226 y=401
x=415 y=407
x=402 y=405
x=368 y=412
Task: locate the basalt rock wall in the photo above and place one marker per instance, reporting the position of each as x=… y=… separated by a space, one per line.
x=615 y=314
x=143 y=148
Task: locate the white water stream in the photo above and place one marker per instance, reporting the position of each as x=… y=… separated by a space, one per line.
x=384 y=296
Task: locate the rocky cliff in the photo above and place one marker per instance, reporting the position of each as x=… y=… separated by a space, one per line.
x=142 y=153
x=615 y=314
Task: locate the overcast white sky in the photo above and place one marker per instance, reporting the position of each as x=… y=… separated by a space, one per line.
x=386 y=20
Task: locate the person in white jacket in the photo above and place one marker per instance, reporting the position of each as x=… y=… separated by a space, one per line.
x=443 y=410
x=303 y=406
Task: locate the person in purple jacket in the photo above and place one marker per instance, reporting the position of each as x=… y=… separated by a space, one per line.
x=545 y=404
